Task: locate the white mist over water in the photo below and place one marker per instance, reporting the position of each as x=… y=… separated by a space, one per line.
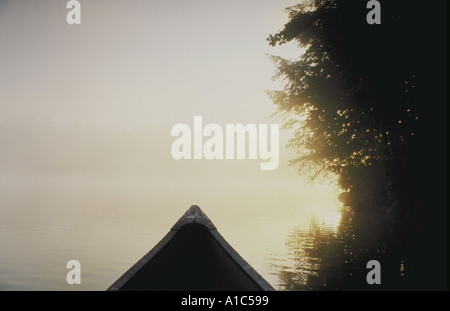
x=108 y=224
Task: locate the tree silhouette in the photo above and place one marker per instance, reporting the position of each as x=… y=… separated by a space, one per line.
x=367 y=102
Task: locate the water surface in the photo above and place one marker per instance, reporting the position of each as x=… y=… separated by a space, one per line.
x=109 y=223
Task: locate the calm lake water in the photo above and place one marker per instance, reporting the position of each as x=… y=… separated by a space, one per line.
x=108 y=224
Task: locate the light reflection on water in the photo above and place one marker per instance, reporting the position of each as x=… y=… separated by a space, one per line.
x=322 y=257
x=109 y=225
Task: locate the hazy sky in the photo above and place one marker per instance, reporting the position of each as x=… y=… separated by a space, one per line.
x=134 y=65
x=138 y=63
x=143 y=65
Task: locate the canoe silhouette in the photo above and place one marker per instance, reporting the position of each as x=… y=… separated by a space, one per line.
x=192 y=256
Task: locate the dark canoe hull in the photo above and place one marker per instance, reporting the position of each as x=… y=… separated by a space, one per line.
x=192 y=256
